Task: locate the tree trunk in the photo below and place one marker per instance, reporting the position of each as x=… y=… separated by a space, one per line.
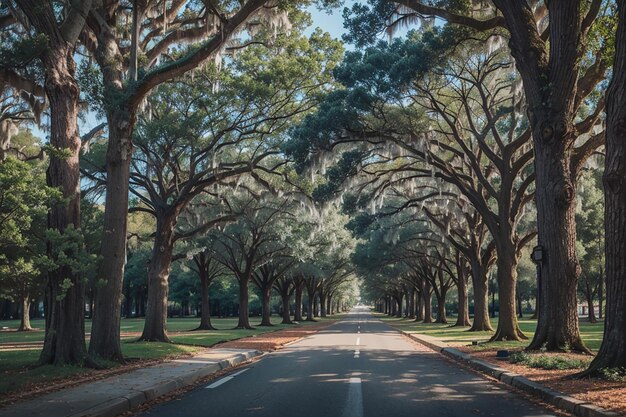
x=592 y=312
x=64 y=342
x=419 y=308
x=25 y=315
x=398 y=301
x=323 y=299
x=463 y=318
x=441 y=309
x=411 y=303
x=244 y=318
x=508 y=328
x=265 y=306
x=105 y=331
x=428 y=308
x=205 y=302
x=480 y=283
x=155 y=325
x=284 y=295
x=316 y=307
x=310 y=307
x=557 y=324
x=601 y=295
x=297 y=314
x=612 y=353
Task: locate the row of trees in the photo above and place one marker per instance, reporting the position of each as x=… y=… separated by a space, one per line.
x=465 y=125
x=197 y=99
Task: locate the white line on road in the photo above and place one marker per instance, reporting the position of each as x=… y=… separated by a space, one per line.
x=225 y=379
x=358 y=341
x=354 y=403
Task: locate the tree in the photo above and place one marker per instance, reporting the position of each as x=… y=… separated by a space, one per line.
x=206 y=266
x=253 y=240
x=612 y=351
x=560 y=71
x=129 y=70
x=24 y=203
x=52 y=31
x=590 y=244
x=285 y=287
x=450 y=128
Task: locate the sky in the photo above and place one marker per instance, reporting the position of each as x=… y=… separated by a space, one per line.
x=331 y=23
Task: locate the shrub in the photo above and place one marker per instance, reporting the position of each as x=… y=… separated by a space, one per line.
x=547 y=362
x=614 y=374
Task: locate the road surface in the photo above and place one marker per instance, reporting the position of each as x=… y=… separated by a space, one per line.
x=357 y=367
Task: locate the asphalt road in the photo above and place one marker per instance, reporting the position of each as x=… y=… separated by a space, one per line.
x=357 y=367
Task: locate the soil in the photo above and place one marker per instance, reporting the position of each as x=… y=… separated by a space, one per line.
x=605 y=394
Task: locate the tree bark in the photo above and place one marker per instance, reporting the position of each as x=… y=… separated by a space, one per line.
x=155 y=325
x=310 y=307
x=557 y=324
x=419 y=308
x=323 y=300
x=480 y=284
x=25 y=315
x=592 y=312
x=463 y=318
x=64 y=342
x=284 y=295
x=297 y=314
x=205 y=302
x=441 y=309
x=508 y=328
x=265 y=306
x=244 y=316
x=105 y=331
x=612 y=351
x=428 y=308
x=398 y=300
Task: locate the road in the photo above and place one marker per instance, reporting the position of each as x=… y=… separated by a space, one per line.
x=356 y=367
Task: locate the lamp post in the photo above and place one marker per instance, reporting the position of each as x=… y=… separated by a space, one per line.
x=538 y=256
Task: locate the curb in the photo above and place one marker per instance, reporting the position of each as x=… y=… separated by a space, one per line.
x=133 y=399
x=558 y=399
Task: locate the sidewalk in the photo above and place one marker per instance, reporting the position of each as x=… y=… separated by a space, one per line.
x=563 y=401
x=120 y=393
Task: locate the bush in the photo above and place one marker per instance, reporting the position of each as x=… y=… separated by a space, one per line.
x=614 y=374
x=547 y=362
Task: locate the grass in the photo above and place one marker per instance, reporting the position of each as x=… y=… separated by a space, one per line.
x=19 y=371
x=224 y=325
x=18 y=368
x=547 y=362
x=590 y=332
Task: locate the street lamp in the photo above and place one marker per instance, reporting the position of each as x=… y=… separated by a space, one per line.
x=538 y=256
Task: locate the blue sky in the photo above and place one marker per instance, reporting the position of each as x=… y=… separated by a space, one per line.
x=331 y=23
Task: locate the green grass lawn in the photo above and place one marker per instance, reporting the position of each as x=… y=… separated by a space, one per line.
x=591 y=333
x=224 y=325
x=18 y=367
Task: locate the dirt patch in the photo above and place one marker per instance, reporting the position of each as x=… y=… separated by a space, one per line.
x=606 y=394
x=267 y=342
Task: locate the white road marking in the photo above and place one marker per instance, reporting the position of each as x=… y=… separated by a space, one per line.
x=358 y=341
x=225 y=379
x=354 y=402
